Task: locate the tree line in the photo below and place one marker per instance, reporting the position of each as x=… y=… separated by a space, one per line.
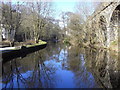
x=75 y=22
x=34 y=20
x=29 y=21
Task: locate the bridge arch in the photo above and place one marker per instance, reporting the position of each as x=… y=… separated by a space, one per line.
x=115 y=23
x=113 y=8
x=103 y=25
x=103 y=29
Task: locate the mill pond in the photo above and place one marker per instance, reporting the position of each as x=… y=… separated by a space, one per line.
x=63 y=66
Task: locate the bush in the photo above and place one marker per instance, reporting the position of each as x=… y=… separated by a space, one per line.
x=66 y=41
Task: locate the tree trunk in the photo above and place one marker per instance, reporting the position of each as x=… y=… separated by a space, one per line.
x=11 y=43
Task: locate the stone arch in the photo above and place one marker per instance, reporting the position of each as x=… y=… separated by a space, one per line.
x=113 y=8
x=103 y=29
x=115 y=23
x=102 y=21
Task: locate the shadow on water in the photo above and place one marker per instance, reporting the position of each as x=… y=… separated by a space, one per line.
x=60 y=66
x=20 y=53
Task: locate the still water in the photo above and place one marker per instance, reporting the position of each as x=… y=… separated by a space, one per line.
x=60 y=66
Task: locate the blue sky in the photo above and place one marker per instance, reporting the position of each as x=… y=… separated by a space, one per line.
x=64 y=7
x=69 y=6
x=60 y=5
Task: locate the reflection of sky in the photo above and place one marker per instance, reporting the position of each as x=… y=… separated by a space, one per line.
x=85 y=78
x=63 y=54
x=21 y=81
x=63 y=78
x=0 y=83
x=60 y=77
x=66 y=78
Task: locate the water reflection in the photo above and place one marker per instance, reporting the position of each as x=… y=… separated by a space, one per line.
x=105 y=67
x=60 y=66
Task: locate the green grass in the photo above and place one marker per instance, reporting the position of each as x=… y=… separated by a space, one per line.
x=37 y=44
x=40 y=43
x=114 y=42
x=66 y=41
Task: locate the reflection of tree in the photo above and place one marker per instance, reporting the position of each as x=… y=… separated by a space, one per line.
x=17 y=76
x=101 y=63
x=31 y=71
x=83 y=78
x=74 y=59
x=94 y=65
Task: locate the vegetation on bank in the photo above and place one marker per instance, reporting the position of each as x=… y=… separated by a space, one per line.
x=25 y=21
x=75 y=23
x=27 y=45
x=84 y=31
x=37 y=44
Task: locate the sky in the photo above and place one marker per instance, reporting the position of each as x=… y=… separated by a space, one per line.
x=61 y=6
x=64 y=7
x=69 y=6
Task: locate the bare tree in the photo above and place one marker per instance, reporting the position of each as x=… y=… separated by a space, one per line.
x=85 y=9
x=11 y=19
x=40 y=11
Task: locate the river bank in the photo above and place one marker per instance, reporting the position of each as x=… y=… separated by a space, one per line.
x=9 y=53
x=113 y=47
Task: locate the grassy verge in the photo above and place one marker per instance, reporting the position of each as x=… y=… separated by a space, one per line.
x=39 y=43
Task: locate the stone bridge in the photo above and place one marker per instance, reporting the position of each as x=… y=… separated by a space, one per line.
x=104 y=24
